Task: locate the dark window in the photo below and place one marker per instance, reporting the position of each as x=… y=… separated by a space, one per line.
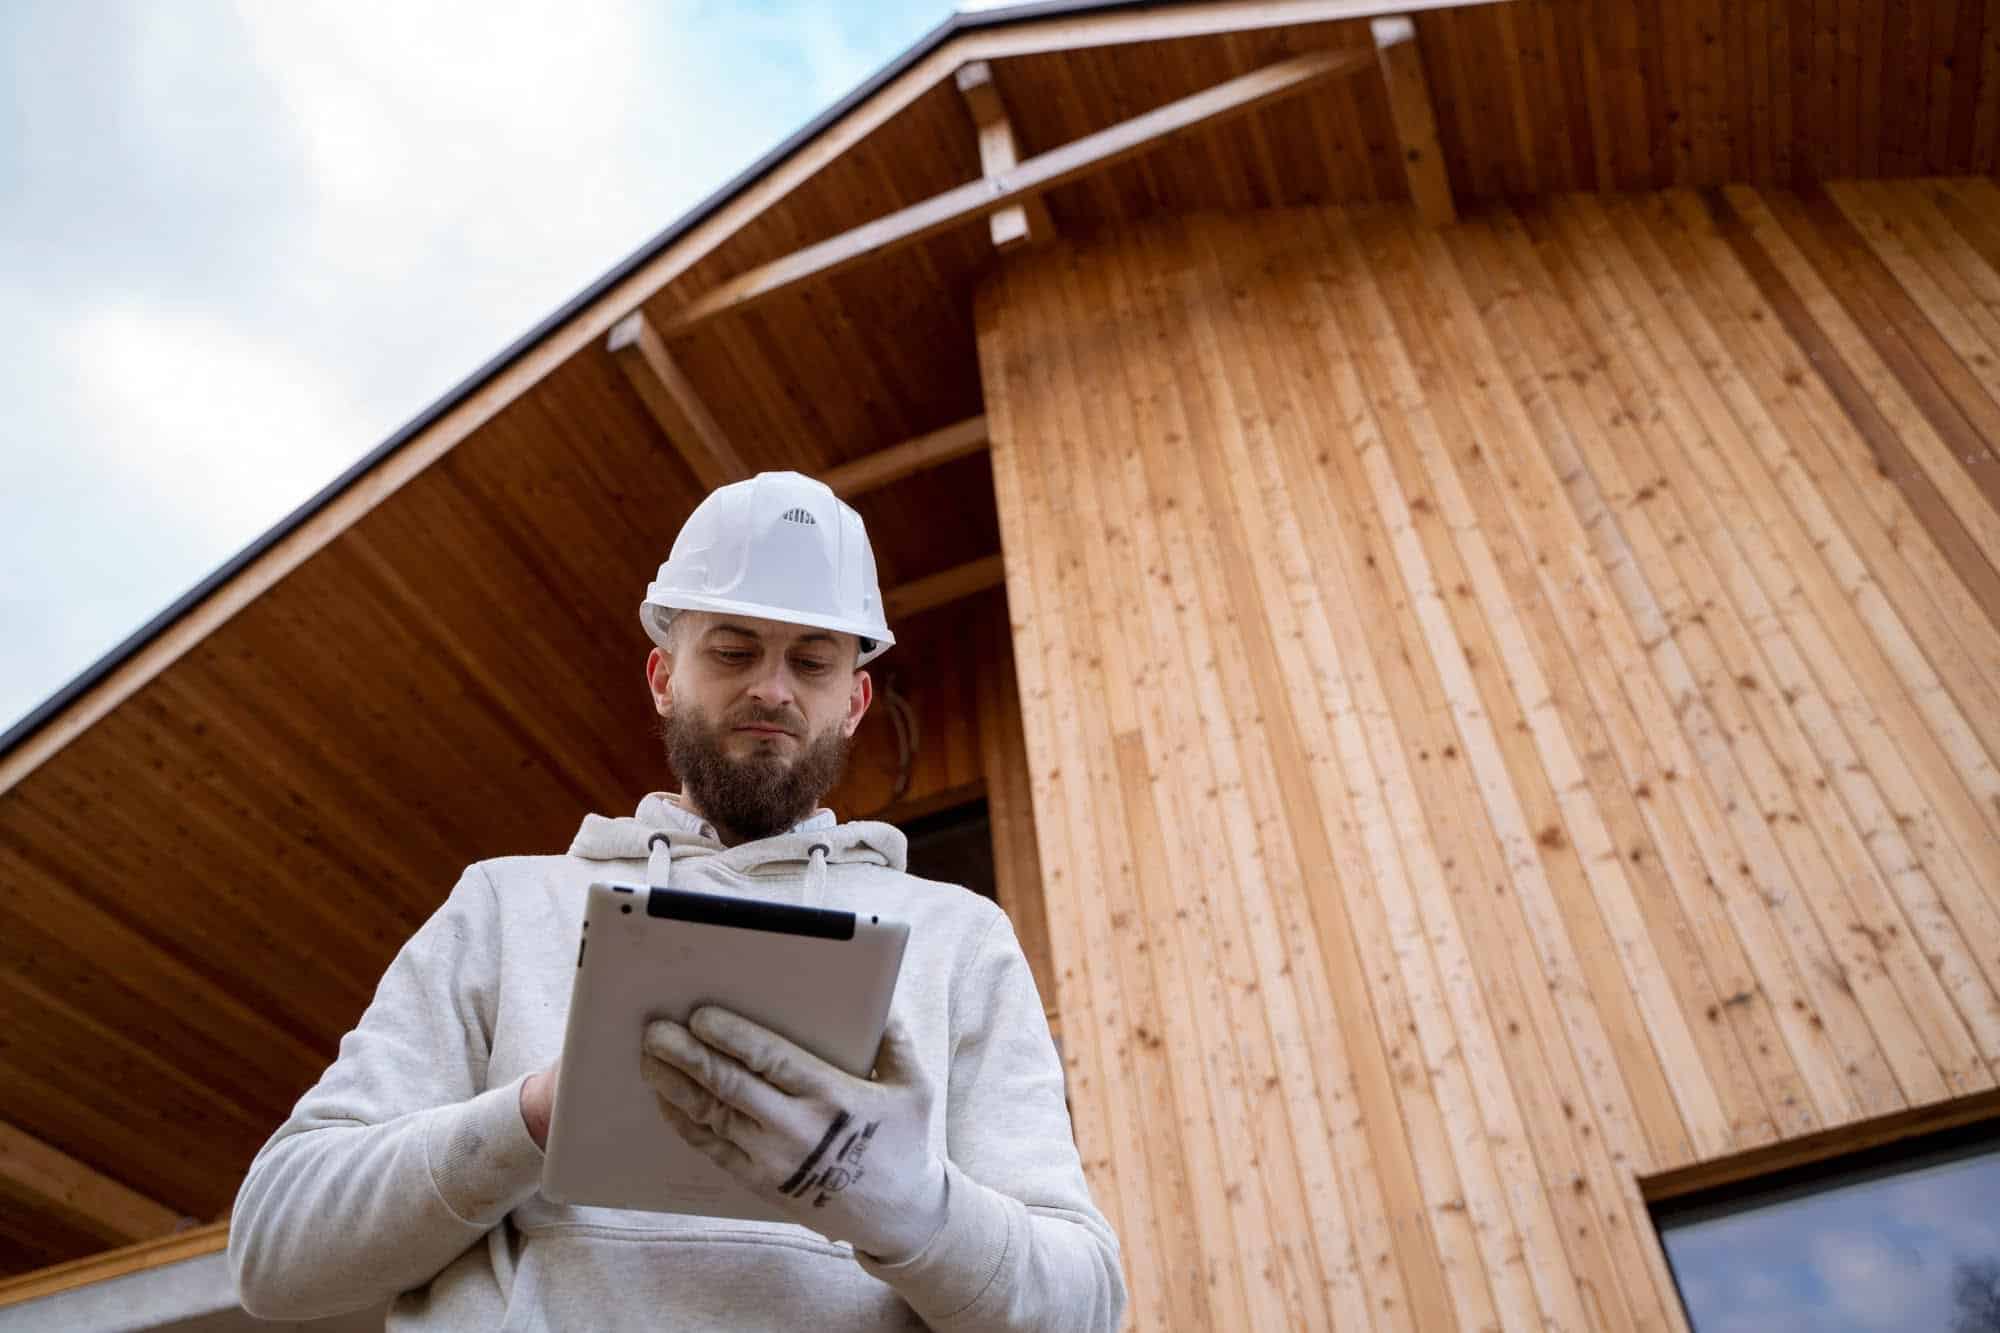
x=955 y=846
x=1904 y=1237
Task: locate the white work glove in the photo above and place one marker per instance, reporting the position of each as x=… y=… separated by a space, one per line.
x=846 y=1156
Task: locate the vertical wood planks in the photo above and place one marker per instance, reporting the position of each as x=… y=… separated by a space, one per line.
x=1003 y=758
x=1499 y=724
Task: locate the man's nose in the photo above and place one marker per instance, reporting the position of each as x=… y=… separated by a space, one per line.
x=772 y=687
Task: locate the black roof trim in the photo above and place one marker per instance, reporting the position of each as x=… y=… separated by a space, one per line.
x=931 y=41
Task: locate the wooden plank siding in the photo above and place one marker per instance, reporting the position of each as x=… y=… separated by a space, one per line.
x=1003 y=753
x=1511 y=712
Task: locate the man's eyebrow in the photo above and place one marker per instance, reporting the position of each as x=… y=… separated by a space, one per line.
x=723 y=627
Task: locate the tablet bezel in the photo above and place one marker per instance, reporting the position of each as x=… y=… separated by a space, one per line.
x=822 y=977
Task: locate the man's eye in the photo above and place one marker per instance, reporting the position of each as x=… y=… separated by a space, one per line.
x=732 y=655
x=809 y=666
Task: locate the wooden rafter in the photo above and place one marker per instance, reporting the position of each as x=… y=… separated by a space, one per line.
x=1016 y=225
x=973 y=576
x=1416 y=120
x=53 y=1182
x=878 y=469
x=642 y=355
x=1072 y=161
x=176 y=1248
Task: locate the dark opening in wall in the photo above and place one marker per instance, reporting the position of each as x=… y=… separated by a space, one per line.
x=955 y=846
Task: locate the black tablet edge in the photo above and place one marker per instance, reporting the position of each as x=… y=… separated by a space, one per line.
x=709 y=909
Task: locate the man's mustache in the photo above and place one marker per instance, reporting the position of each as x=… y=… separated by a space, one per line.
x=758 y=716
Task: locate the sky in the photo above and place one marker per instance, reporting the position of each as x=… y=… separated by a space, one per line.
x=1875 y=1257
x=241 y=244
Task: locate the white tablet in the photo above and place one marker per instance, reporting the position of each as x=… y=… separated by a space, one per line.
x=821 y=978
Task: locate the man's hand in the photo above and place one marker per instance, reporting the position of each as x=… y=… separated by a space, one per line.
x=538 y=1104
x=848 y=1157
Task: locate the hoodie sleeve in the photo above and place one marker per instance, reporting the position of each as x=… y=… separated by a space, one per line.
x=1023 y=1246
x=400 y=1157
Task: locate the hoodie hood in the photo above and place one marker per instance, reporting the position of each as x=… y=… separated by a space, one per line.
x=633 y=838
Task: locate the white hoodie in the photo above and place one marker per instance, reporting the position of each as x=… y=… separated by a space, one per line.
x=408 y=1169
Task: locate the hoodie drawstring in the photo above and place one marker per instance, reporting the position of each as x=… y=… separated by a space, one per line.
x=659 y=861
x=660 y=867
x=815 y=890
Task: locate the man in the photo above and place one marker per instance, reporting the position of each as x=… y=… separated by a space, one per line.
x=410 y=1170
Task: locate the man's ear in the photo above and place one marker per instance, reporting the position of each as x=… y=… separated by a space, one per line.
x=660 y=680
x=859 y=696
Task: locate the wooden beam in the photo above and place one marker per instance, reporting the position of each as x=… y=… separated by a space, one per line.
x=1025 y=223
x=670 y=397
x=878 y=469
x=906 y=600
x=1072 y=161
x=51 y=1181
x=1416 y=122
x=173 y=1249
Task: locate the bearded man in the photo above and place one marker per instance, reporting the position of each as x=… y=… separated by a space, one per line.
x=409 y=1173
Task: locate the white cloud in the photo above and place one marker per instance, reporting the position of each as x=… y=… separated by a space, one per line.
x=1952 y=1203
x=163 y=389
x=472 y=115
x=1874 y=1284
x=495 y=157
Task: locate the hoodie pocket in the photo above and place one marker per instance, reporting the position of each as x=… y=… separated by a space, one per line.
x=576 y=1277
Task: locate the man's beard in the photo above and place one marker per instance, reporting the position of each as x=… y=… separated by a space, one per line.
x=759 y=795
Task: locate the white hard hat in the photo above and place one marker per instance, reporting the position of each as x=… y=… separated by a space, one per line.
x=778 y=547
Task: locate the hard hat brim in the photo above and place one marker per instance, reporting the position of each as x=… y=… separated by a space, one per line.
x=671 y=602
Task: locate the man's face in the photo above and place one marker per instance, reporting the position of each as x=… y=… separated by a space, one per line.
x=756 y=715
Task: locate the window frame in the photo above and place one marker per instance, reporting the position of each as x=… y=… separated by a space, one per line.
x=1881 y=1158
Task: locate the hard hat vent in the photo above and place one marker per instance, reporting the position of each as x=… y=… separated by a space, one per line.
x=800 y=516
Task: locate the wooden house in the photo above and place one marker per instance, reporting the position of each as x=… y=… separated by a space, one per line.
x=1459 y=546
